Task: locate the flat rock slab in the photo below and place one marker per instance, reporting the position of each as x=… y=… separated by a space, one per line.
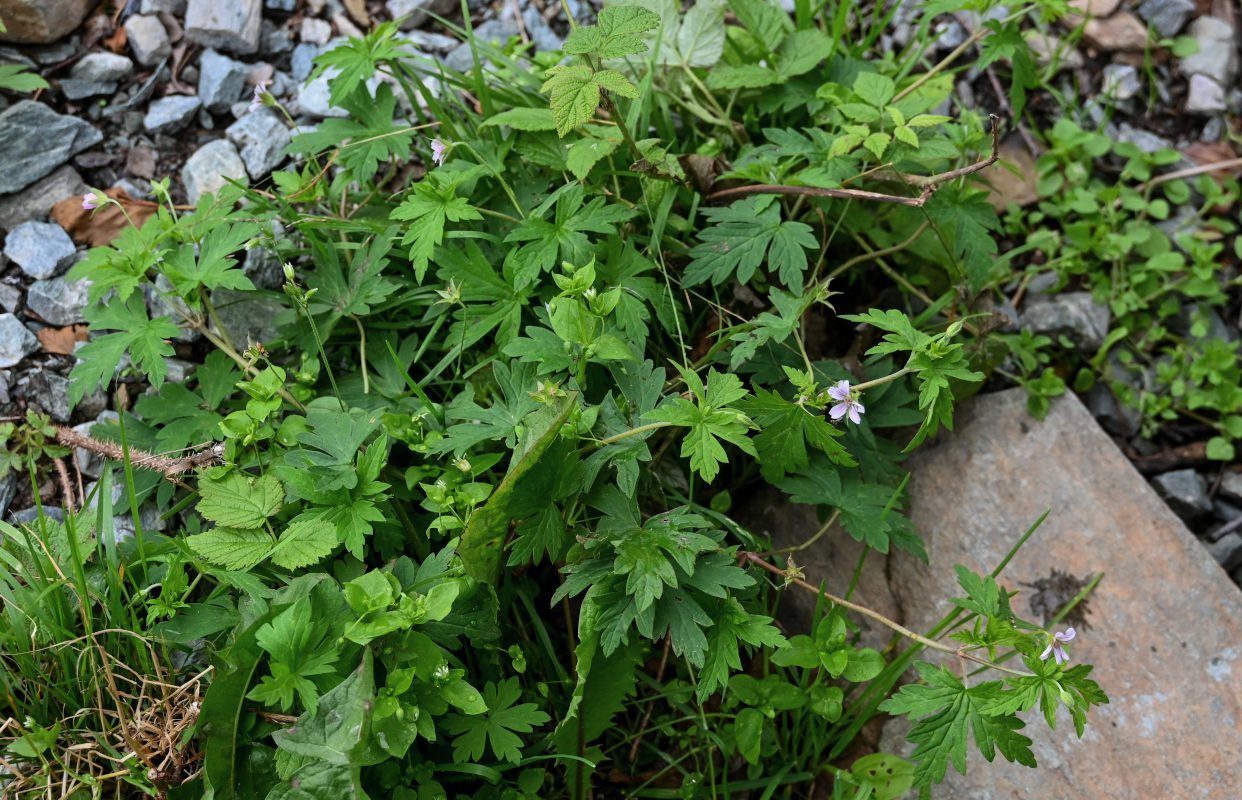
x=1165 y=623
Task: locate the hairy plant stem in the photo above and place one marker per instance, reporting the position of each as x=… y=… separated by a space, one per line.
x=960 y=652
x=626 y=434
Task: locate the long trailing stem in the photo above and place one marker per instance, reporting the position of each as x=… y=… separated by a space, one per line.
x=755 y=558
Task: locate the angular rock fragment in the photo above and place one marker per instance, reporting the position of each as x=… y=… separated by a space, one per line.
x=36 y=141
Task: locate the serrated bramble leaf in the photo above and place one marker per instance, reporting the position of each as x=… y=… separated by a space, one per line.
x=584 y=39
x=743 y=76
x=614 y=81
x=304 y=541
x=627 y=20
x=875 y=89
x=574 y=95
x=232 y=548
x=239 y=500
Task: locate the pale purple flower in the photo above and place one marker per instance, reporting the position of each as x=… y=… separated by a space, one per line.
x=846 y=404
x=438 y=151
x=1055 y=648
x=260 y=90
x=89 y=201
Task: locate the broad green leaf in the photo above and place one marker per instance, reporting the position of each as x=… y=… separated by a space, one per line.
x=221 y=715
x=232 y=548
x=239 y=500
x=523 y=119
x=304 y=541
x=701 y=37
x=587 y=152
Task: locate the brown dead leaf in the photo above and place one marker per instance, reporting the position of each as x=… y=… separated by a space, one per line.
x=60 y=340
x=100 y=227
x=358 y=10
x=1204 y=153
x=117 y=41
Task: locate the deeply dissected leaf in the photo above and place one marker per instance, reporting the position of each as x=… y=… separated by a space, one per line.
x=742 y=238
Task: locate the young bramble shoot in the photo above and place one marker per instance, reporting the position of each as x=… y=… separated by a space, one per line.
x=1056 y=646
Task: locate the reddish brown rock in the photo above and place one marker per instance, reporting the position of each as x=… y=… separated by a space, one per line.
x=1165 y=623
x=38 y=21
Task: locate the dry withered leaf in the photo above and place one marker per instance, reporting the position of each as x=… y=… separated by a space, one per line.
x=101 y=226
x=1204 y=153
x=60 y=340
x=117 y=41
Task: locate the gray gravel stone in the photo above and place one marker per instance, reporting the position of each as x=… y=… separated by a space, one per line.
x=16 y=342
x=101 y=67
x=1227 y=550
x=303 y=61
x=1074 y=314
x=315 y=31
x=36 y=141
x=161 y=302
x=1185 y=491
x=542 y=34
x=41 y=249
x=80 y=90
x=58 y=301
x=170 y=114
x=10 y=300
x=432 y=42
x=246 y=317
x=221 y=81
x=148 y=40
x=275 y=38
x=260 y=136
x=1144 y=140
x=8 y=488
x=51 y=392
x=1121 y=81
x=1217 y=57
x=1166 y=16
x=415 y=11
x=495 y=31
x=1116 y=417
x=231 y=25
x=35 y=201
x=313 y=98
x=1204 y=96
x=1231 y=486
x=206 y=170
x=90 y=463
x=174 y=7
x=280 y=5
x=28 y=516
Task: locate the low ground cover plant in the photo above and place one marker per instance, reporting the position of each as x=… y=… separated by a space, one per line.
x=542 y=327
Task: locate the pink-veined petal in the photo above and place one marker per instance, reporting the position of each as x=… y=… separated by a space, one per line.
x=838 y=411
x=1067 y=635
x=854 y=418
x=1047 y=652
